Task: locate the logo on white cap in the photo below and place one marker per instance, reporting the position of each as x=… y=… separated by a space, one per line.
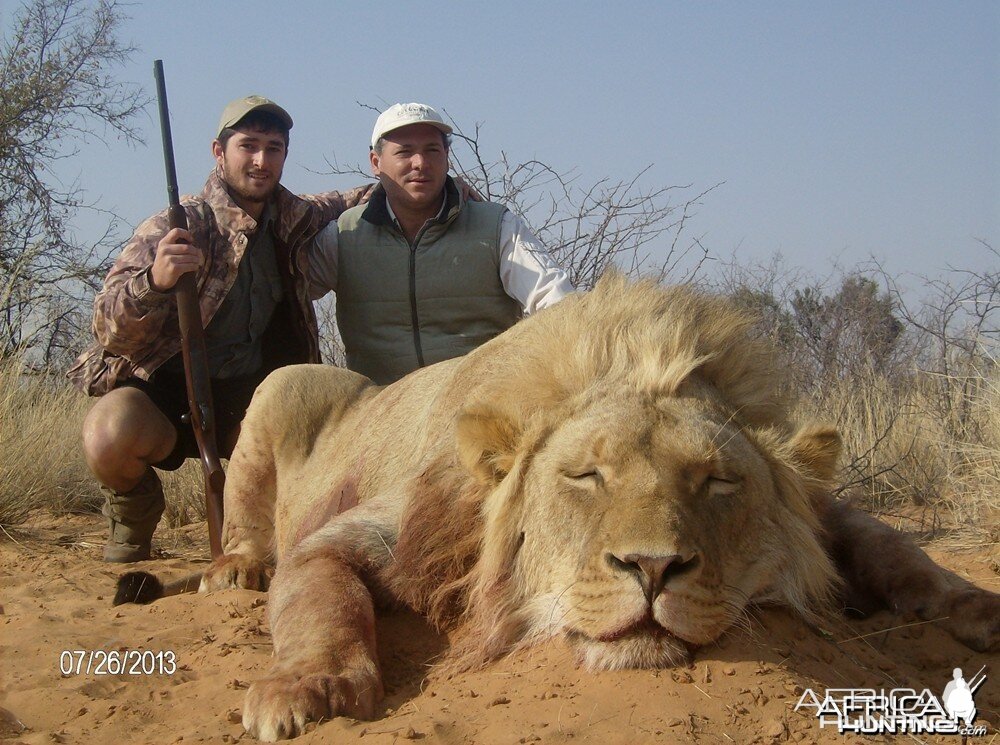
x=402 y=115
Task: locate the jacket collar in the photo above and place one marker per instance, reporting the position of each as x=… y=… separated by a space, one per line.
x=377 y=212
x=288 y=209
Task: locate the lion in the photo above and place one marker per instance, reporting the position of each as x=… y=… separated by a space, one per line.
x=619 y=470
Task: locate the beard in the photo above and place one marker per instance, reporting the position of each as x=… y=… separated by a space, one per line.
x=247 y=191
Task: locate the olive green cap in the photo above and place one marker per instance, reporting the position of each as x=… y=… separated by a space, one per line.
x=236 y=110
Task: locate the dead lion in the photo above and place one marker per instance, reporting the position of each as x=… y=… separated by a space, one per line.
x=618 y=470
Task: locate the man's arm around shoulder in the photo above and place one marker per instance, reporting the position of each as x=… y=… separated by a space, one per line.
x=321 y=273
x=330 y=205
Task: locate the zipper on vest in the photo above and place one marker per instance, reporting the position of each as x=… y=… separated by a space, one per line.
x=414 y=317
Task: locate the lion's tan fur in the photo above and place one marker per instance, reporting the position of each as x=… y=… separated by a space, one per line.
x=438 y=543
x=471 y=428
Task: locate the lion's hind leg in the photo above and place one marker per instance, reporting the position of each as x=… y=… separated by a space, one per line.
x=884 y=569
x=237 y=571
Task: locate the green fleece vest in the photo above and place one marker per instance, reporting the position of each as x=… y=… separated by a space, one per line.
x=400 y=307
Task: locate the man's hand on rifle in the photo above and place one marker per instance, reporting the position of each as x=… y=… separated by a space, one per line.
x=175 y=255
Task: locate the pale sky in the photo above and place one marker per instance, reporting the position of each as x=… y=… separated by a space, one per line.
x=842 y=130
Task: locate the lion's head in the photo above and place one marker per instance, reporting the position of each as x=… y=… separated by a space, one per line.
x=635 y=480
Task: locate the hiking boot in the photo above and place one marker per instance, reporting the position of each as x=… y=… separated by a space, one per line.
x=132 y=518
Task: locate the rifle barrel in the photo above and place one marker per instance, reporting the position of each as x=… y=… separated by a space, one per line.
x=173 y=196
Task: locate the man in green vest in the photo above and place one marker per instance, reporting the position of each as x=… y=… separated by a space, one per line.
x=422 y=276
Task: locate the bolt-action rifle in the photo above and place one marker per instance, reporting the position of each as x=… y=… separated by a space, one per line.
x=199 y=391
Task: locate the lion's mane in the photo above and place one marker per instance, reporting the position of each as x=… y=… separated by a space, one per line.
x=455 y=551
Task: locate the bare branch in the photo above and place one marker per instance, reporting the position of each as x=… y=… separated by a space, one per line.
x=56 y=92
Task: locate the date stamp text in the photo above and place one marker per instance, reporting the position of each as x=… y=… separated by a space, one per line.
x=117 y=662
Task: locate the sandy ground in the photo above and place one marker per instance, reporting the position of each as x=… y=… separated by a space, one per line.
x=55 y=595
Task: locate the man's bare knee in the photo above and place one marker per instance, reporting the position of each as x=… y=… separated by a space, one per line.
x=122 y=434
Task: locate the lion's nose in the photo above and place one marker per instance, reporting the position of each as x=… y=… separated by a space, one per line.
x=653 y=572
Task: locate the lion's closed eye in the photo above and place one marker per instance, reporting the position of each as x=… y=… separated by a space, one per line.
x=588 y=476
x=723 y=486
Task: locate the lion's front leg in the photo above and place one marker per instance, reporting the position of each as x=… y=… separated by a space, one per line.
x=884 y=569
x=323 y=625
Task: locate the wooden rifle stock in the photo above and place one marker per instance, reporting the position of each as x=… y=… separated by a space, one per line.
x=199 y=391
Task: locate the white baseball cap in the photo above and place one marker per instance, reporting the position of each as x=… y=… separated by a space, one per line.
x=403 y=114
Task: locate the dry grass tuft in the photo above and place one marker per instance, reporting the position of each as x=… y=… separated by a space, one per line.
x=924 y=452
x=185 y=492
x=41 y=457
x=42 y=463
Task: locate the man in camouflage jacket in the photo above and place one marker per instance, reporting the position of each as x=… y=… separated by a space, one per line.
x=247 y=241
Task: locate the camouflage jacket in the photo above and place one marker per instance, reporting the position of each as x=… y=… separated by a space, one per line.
x=136 y=327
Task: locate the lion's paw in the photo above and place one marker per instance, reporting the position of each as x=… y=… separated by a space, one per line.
x=236 y=571
x=974 y=619
x=280 y=706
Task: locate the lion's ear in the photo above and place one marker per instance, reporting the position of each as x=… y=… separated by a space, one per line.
x=487 y=441
x=816 y=449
